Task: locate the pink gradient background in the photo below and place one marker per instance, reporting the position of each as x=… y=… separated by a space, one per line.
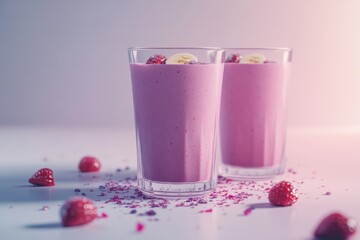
x=65 y=62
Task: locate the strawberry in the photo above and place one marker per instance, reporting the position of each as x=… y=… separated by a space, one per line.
x=233 y=58
x=89 y=164
x=156 y=59
x=283 y=194
x=335 y=227
x=43 y=177
x=78 y=211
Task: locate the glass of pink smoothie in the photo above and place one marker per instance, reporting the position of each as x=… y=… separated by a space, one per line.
x=176 y=93
x=253 y=112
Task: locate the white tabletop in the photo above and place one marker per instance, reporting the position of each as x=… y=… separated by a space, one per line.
x=323 y=164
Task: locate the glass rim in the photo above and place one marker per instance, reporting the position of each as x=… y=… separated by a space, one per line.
x=174 y=48
x=286 y=49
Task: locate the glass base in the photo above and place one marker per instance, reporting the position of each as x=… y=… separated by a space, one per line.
x=175 y=189
x=239 y=173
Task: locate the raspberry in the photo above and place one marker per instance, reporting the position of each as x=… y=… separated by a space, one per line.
x=156 y=59
x=233 y=58
x=43 y=177
x=78 y=211
x=89 y=164
x=335 y=227
x=283 y=194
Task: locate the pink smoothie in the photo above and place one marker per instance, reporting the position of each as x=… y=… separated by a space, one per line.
x=176 y=113
x=253 y=114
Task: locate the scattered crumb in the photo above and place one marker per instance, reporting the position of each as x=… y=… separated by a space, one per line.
x=139 y=227
x=45 y=208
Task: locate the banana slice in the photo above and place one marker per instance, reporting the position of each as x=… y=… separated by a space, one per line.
x=181 y=58
x=253 y=58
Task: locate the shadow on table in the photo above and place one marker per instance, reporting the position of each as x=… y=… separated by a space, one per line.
x=44 y=226
x=65 y=184
x=261 y=205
